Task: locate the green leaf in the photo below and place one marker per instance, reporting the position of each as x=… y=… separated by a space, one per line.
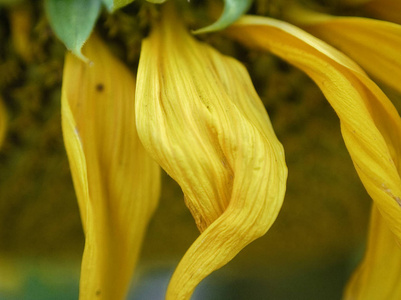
x=156 y=1
x=109 y=4
x=113 y=5
x=73 y=21
x=233 y=9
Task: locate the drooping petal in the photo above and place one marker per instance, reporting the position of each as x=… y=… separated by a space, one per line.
x=378 y=277
x=370 y=124
x=117 y=184
x=373 y=44
x=201 y=119
x=3 y=121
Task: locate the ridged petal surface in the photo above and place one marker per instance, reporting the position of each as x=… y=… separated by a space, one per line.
x=116 y=182
x=378 y=276
x=375 y=45
x=370 y=124
x=201 y=119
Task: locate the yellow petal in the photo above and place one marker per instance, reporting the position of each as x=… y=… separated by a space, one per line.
x=373 y=44
x=378 y=277
x=3 y=121
x=201 y=119
x=117 y=184
x=370 y=124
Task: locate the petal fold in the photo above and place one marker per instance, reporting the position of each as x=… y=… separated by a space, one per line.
x=378 y=277
x=371 y=126
x=116 y=182
x=373 y=44
x=201 y=119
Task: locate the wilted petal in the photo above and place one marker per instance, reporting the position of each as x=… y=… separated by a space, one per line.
x=201 y=119
x=370 y=124
x=117 y=184
x=373 y=44
x=378 y=277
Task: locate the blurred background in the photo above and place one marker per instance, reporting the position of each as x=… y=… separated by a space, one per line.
x=310 y=251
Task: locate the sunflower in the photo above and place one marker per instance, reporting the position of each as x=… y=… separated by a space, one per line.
x=194 y=113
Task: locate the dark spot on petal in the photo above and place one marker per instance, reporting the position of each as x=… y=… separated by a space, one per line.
x=98 y=292
x=100 y=87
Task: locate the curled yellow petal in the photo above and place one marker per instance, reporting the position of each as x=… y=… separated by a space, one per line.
x=370 y=124
x=373 y=44
x=201 y=119
x=378 y=277
x=117 y=184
